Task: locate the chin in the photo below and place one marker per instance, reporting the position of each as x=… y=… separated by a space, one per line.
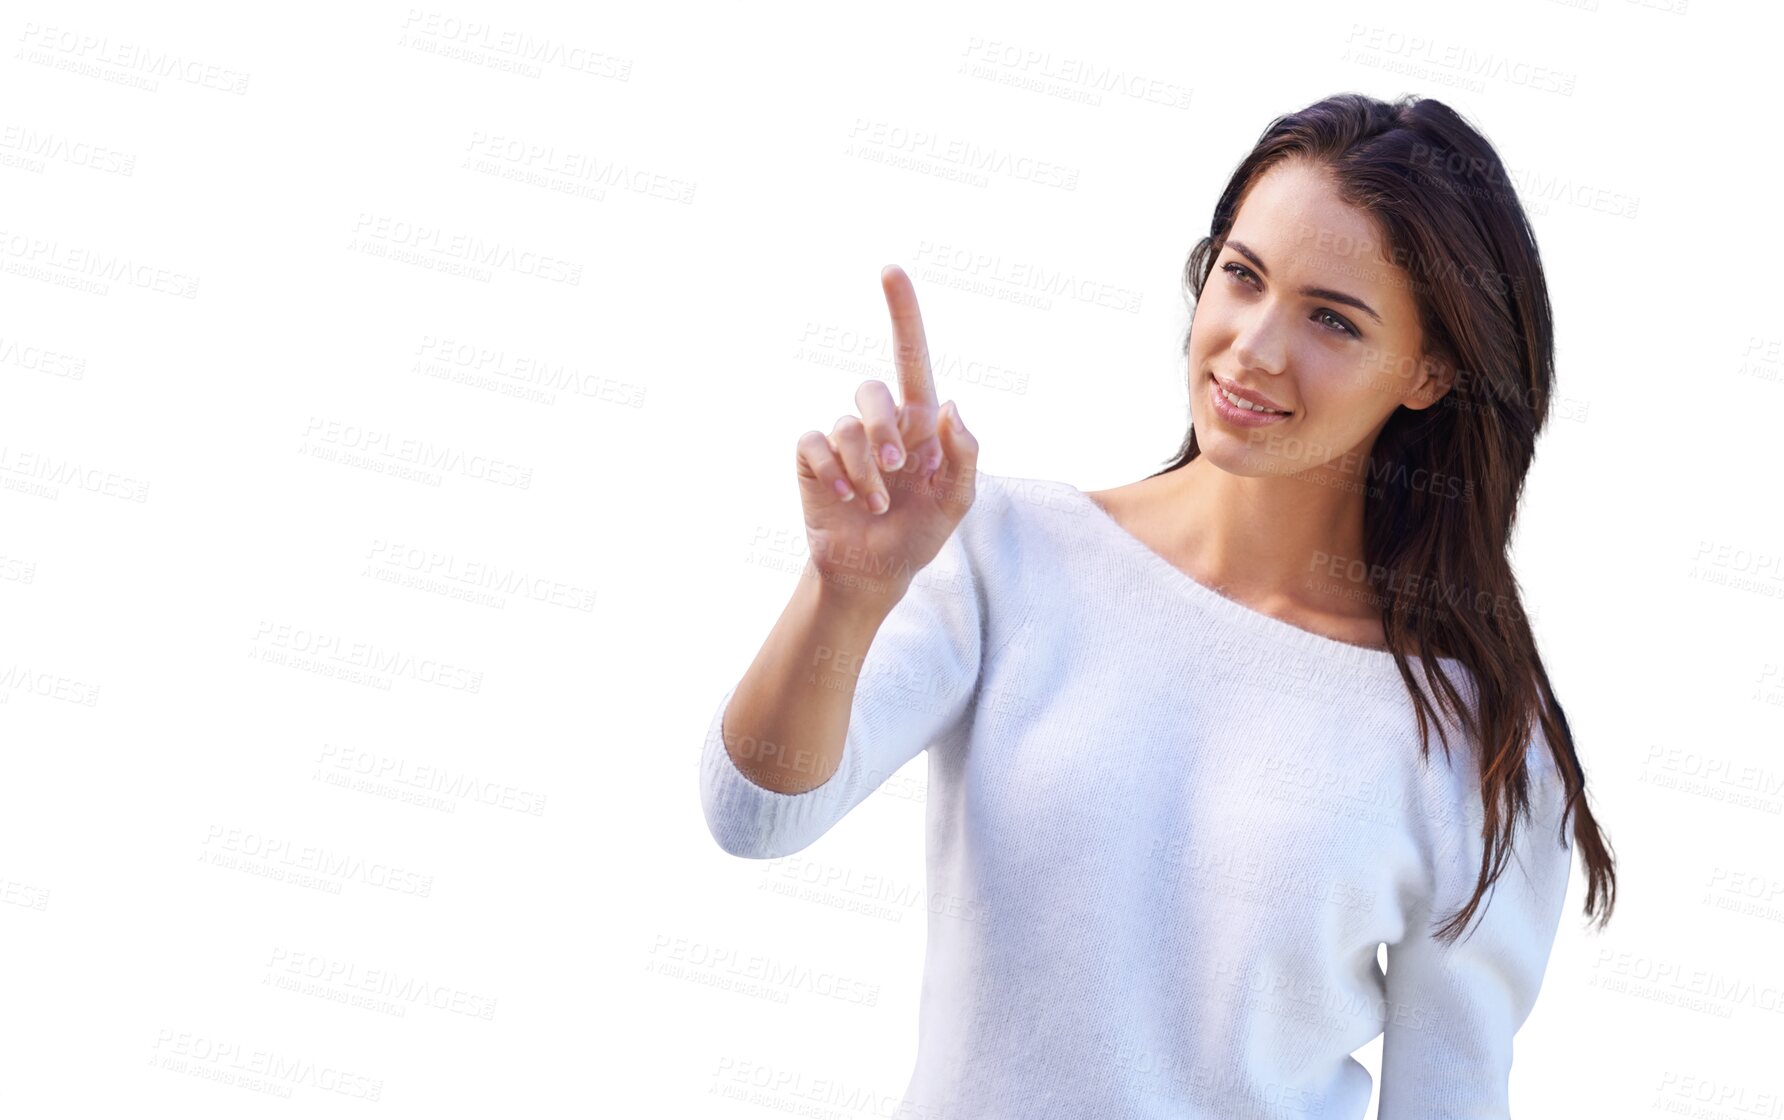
x=1238 y=453
x=1234 y=455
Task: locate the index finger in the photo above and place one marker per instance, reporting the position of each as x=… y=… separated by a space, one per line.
x=915 y=383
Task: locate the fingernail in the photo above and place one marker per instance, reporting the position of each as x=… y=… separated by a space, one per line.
x=876 y=502
x=843 y=489
x=891 y=456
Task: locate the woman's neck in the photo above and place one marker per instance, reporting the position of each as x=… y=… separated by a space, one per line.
x=1289 y=546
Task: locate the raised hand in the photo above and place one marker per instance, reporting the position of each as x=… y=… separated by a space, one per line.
x=885 y=489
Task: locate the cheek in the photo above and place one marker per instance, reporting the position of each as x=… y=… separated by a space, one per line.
x=1387 y=372
x=1342 y=392
x=1357 y=409
x=1209 y=331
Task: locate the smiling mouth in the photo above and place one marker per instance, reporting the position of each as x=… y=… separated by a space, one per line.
x=1241 y=403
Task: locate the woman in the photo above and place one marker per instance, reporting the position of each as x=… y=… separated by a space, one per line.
x=1180 y=784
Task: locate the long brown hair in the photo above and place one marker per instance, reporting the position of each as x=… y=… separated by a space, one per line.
x=1451 y=218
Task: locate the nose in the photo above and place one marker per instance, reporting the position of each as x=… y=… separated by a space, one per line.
x=1260 y=343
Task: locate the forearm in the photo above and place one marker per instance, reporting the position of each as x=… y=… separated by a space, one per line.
x=789 y=716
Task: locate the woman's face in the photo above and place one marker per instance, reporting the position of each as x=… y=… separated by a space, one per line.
x=1304 y=309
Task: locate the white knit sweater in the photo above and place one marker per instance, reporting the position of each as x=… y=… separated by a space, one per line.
x=1175 y=831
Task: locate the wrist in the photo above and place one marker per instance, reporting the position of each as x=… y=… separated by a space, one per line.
x=854 y=596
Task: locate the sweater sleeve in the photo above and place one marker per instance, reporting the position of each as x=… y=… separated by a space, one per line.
x=916 y=687
x=1453 y=1008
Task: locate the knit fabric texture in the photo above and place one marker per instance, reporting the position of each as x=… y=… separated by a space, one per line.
x=1173 y=832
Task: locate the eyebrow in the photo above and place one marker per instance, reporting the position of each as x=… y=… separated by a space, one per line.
x=1316 y=293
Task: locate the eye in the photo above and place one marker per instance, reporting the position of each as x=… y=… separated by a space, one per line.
x=1338 y=319
x=1245 y=276
x=1235 y=268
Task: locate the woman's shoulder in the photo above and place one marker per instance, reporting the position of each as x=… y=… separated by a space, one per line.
x=1019 y=528
x=1021 y=491
x=1010 y=546
x=1005 y=504
x=1453 y=778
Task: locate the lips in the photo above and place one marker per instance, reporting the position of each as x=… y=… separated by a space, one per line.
x=1248 y=395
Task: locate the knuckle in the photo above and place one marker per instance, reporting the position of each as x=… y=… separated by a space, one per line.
x=856 y=459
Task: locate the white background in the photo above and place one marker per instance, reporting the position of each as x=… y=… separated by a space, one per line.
x=256 y=431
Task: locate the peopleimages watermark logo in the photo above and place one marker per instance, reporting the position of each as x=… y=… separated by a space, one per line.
x=347 y=767
x=309 y=865
x=85 y=269
x=43 y=474
x=127 y=64
x=440 y=250
x=31 y=150
x=359 y=662
x=257 y=1069
x=1065 y=76
x=505 y=48
x=417 y=459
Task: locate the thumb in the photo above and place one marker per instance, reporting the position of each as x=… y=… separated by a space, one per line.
x=960 y=452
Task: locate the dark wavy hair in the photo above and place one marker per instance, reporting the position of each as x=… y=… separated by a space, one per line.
x=1451 y=219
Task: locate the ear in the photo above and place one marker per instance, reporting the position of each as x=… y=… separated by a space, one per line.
x=1436 y=377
